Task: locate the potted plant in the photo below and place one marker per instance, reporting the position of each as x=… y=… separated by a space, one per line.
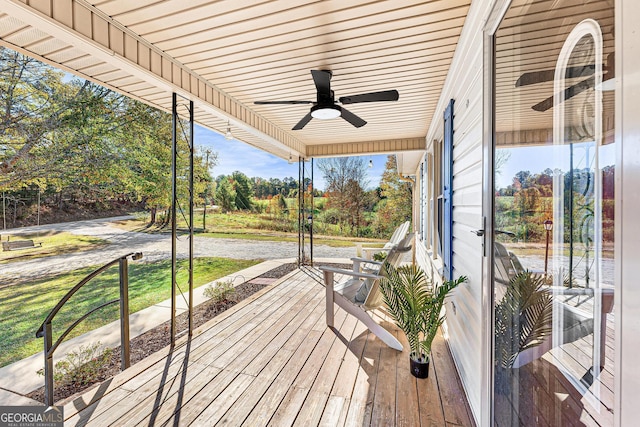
x=522 y=322
x=415 y=305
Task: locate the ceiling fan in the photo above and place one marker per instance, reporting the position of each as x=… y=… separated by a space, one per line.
x=571 y=72
x=325 y=106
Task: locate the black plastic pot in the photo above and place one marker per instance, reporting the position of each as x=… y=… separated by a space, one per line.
x=419 y=369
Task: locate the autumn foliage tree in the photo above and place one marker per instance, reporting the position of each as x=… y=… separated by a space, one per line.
x=395 y=205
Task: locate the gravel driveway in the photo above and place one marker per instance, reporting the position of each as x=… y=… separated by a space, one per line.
x=154 y=247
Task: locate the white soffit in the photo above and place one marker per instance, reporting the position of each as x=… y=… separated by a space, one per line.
x=225 y=55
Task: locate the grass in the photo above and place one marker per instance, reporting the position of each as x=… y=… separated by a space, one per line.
x=53 y=243
x=246 y=226
x=538 y=249
x=26 y=306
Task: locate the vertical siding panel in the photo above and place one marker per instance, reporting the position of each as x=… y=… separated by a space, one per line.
x=100 y=30
x=176 y=74
x=63 y=12
x=130 y=48
x=43 y=6
x=144 y=56
x=166 y=69
x=82 y=20
x=156 y=63
x=116 y=40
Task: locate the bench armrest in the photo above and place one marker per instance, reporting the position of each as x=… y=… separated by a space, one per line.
x=350 y=273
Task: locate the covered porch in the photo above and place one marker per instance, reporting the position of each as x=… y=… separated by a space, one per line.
x=271 y=360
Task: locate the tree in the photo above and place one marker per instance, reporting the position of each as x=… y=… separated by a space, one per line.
x=346 y=179
x=84 y=141
x=395 y=207
x=210 y=160
x=243 y=190
x=53 y=129
x=226 y=195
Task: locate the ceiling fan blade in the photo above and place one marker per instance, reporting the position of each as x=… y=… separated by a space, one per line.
x=322 y=79
x=282 y=102
x=386 y=95
x=352 y=118
x=569 y=93
x=535 y=77
x=302 y=123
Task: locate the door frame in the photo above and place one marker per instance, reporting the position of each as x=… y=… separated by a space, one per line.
x=497 y=13
x=627 y=244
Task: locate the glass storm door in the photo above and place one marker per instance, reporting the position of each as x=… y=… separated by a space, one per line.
x=553 y=214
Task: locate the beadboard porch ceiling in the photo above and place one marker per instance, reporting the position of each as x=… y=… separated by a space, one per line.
x=224 y=55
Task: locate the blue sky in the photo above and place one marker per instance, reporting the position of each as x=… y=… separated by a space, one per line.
x=234 y=155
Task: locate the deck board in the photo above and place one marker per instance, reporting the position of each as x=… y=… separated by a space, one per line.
x=271 y=360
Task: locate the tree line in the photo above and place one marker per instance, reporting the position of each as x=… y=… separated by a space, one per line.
x=524 y=205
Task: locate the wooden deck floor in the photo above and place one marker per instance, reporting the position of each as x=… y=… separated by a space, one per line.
x=546 y=397
x=271 y=360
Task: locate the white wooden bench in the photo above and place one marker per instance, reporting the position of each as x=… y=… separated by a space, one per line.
x=15 y=245
x=361 y=293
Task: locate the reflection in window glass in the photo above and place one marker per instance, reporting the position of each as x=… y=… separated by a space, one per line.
x=554 y=170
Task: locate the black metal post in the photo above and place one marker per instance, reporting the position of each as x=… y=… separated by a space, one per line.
x=546 y=254
x=300 y=230
x=312 y=216
x=48 y=364
x=191 y=223
x=125 y=359
x=570 y=285
x=174 y=197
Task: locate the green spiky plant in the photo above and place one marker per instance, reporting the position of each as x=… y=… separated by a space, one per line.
x=522 y=317
x=415 y=305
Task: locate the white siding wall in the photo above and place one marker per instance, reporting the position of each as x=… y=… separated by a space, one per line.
x=464 y=311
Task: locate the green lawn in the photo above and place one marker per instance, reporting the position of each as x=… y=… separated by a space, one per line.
x=247 y=226
x=24 y=307
x=53 y=243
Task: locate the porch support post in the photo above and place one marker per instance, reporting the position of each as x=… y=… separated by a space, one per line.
x=191 y=224
x=300 y=214
x=312 y=218
x=174 y=197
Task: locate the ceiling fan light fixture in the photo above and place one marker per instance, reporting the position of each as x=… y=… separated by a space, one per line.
x=326 y=112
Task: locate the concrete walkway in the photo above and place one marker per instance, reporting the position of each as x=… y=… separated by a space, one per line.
x=20 y=378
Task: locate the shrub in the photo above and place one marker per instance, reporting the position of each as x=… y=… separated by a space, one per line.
x=81 y=366
x=380 y=256
x=220 y=291
x=331 y=216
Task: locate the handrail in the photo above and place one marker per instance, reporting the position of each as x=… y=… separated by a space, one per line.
x=76 y=288
x=45 y=331
x=76 y=323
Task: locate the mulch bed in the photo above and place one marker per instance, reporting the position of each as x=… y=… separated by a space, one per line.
x=159 y=337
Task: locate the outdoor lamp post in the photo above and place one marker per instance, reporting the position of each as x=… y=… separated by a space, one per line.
x=548 y=226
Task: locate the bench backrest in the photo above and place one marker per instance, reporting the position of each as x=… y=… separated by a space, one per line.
x=374 y=298
x=399 y=233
